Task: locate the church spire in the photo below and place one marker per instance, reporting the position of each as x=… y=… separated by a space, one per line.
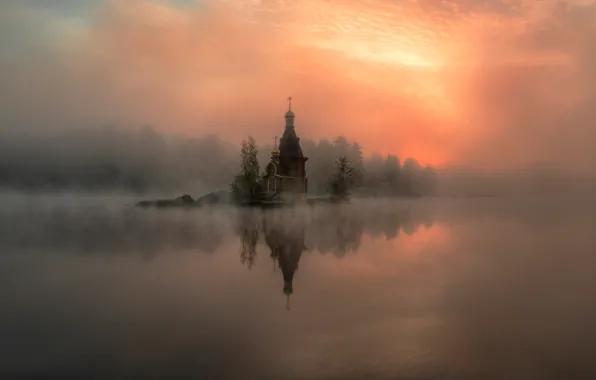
x=275 y=152
x=289 y=144
x=290 y=116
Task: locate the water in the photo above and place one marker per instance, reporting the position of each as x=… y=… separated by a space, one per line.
x=406 y=289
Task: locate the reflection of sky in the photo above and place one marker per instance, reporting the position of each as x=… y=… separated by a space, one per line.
x=479 y=292
x=185 y=300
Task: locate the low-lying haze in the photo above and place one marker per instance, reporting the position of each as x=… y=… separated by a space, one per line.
x=421 y=289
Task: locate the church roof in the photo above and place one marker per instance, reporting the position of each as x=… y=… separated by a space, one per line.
x=289 y=145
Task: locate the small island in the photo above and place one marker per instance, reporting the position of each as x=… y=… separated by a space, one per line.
x=284 y=181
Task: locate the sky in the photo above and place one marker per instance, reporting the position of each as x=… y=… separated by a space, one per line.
x=489 y=84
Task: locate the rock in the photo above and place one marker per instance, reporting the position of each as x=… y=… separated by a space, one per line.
x=144 y=203
x=185 y=199
x=158 y=203
x=217 y=197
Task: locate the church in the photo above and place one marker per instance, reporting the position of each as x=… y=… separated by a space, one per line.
x=285 y=175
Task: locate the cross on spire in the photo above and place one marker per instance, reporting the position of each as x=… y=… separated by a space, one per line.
x=290 y=103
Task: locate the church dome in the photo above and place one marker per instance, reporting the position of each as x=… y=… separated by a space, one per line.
x=290 y=114
x=275 y=152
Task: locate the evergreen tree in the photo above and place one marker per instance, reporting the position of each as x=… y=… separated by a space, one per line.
x=245 y=186
x=392 y=174
x=430 y=180
x=324 y=166
x=411 y=177
x=373 y=173
x=357 y=160
x=343 y=178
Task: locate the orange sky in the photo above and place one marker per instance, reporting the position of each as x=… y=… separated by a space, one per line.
x=488 y=83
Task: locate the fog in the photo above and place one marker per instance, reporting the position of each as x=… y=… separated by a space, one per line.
x=481 y=269
x=493 y=86
x=147 y=162
x=466 y=288
x=112 y=158
x=150 y=163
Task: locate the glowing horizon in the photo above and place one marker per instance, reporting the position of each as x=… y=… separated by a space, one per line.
x=444 y=82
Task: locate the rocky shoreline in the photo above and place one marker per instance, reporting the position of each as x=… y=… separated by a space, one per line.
x=220 y=197
x=224 y=198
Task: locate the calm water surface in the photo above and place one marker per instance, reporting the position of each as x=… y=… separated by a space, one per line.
x=407 y=289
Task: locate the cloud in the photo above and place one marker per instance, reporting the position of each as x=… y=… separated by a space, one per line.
x=442 y=81
x=202 y=70
x=539 y=112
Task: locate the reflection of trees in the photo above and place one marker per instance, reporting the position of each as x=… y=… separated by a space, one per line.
x=248 y=249
x=248 y=230
x=340 y=230
x=109 y=232
x=336 y=231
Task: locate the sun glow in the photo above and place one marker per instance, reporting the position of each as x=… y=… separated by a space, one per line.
x=377 y=53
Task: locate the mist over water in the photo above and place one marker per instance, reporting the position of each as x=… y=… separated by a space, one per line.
x=92 y=287
x=495 y=280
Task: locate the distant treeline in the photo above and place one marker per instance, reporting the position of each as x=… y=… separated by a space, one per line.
x=116 y=159
x=376 y=175
x=149 y=161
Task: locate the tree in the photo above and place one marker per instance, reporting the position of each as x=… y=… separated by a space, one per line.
x=430 y=180
x=245 y=185
x=411 y=177
x=321 y=167
x=392 y=174
x=343 y=178
x=357 y=160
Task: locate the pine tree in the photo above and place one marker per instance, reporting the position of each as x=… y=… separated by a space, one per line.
x=342 y=179
x=411 y=177
x=392 y=174
x=245 y=186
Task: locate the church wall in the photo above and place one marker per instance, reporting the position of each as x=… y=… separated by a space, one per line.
x=294 y=167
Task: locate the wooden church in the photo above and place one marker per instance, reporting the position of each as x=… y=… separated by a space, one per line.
x=285 y=175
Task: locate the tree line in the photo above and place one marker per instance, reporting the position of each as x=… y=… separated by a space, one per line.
x=149 y=161
x=339 y=167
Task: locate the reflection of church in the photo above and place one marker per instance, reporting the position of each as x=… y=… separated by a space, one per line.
x=287 y=245
x=285 y=175
x=334 y=230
